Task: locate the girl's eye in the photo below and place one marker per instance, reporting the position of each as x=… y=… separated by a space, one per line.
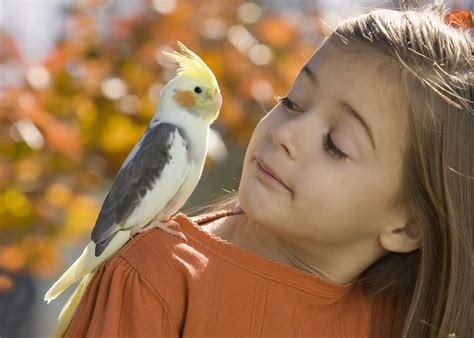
x=289 y=105
x=329 y=145
x=332 y=149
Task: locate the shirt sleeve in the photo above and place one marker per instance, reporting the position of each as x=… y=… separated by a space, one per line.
x=119 y=302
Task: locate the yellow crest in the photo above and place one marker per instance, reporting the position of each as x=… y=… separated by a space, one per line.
x=190 y=64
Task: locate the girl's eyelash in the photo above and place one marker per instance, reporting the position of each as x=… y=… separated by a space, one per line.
x=288 y=104
x=332 y=149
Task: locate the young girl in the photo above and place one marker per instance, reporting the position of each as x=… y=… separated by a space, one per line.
x=354 y=213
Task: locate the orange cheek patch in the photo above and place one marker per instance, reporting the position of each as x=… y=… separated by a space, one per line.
x=185 y=99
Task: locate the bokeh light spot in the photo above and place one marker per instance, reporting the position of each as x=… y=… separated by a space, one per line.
x=240 y=37
x=262 y=90
x=119 y=134
x=38 y=77
x=11 y=258
x=58 y=194
x=82 y=214
x=154 y=91
x=260 y=54
x=213 y=29
x=28 y=170
x=249 y=12
x=30 y=133
x=114 y=88
x=16 y=202
x=164 y=6
x=129 y=104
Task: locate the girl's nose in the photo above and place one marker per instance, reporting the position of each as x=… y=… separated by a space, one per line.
x=283 y=137
x=293 y=133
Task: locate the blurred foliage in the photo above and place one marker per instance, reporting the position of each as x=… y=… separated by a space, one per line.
x=69 y=122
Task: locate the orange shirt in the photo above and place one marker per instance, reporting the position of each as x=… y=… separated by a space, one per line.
x=159 y=286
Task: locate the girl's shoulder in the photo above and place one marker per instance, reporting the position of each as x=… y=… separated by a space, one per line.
x=156 y=253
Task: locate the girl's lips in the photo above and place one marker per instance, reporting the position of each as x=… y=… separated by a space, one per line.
x=269 y=172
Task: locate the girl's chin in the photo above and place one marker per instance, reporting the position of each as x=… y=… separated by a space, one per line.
x=258 y=202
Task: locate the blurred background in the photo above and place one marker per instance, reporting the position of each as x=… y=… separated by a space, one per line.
x=79 y=82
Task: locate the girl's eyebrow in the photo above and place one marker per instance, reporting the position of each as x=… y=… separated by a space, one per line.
x=352 y=112
x=347 y=108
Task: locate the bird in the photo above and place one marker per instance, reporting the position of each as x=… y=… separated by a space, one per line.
x=156 y=178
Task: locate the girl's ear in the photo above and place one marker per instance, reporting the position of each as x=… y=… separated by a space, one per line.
x=401 y=239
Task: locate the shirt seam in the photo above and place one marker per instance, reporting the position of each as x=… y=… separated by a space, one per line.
x=160 y=297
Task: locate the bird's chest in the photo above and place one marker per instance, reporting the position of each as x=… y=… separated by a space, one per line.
x=196 y=158
x=197 y=148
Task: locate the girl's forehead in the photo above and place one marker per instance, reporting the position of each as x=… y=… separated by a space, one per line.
x=331 y=68
x=352 y=73
x=351 y=58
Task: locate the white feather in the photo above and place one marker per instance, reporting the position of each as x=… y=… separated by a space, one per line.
x=68 y=310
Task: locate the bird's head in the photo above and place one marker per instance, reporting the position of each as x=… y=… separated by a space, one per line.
x=195 y=87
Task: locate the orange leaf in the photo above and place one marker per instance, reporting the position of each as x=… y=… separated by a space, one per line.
x=461 y=18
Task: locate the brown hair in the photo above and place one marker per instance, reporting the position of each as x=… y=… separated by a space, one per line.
x=430 y=65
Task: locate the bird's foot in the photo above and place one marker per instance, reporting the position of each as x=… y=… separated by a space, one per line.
x=165 y=226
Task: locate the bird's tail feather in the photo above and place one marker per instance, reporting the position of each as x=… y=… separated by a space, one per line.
x=86 y=263
x=70 y=307
x=74 y=273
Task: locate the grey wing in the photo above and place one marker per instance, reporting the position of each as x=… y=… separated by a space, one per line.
x=142 y=169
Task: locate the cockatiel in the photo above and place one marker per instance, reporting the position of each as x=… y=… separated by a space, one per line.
x=157 y=177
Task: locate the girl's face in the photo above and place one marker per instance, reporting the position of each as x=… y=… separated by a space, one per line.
x=322 y=165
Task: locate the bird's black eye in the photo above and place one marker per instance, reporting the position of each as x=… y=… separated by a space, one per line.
x=198 y=90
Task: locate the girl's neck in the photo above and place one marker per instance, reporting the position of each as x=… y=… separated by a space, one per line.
x=337 y=265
